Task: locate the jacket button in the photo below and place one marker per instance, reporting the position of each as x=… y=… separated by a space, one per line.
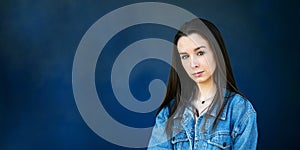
x=224 y=144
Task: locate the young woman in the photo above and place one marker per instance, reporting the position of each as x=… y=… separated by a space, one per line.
x=203 y=108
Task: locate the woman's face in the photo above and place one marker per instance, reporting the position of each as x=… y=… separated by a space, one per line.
x=196 y=57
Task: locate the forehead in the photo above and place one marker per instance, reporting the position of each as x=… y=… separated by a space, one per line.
x=191 y=42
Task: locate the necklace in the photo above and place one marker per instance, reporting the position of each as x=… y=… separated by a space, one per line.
x=203 y=101
x=201 y=107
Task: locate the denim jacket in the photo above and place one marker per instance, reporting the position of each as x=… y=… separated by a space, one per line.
x=237 y=129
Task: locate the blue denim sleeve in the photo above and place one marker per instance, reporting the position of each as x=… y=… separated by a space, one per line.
x=159 y=139
x=245 y=132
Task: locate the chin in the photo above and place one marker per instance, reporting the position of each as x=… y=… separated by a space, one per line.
x=200 y=80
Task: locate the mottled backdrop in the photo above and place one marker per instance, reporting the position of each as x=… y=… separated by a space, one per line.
x=38 y=42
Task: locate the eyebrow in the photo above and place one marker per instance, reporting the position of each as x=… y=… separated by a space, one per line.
x=197 y=48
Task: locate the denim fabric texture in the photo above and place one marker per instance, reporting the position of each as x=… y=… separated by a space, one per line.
x=237 y=129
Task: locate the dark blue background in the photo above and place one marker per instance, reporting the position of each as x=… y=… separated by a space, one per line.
x=38 y=41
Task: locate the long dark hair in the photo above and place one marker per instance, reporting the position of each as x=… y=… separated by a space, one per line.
x=181 y=87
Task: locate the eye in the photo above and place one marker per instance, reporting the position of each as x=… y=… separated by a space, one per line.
x=184 y=57
x=200 y=53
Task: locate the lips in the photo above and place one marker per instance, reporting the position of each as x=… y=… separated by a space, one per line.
x=197 y=74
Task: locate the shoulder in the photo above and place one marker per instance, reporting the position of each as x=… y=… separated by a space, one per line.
x=240 y=108
x=243 y=117
x=164 y=113
x=238 y=102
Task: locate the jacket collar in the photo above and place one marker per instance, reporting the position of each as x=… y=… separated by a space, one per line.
x=188 y=121
x=214 y=112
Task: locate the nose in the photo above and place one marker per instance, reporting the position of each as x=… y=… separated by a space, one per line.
x=194 y=62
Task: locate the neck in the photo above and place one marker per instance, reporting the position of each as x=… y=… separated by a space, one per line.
x=207 y=89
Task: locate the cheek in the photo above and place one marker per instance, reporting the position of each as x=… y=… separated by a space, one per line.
x=210 y=63
x=185 y=65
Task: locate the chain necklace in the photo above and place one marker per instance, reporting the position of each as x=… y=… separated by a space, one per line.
x=203 y=101
x=202 y=104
